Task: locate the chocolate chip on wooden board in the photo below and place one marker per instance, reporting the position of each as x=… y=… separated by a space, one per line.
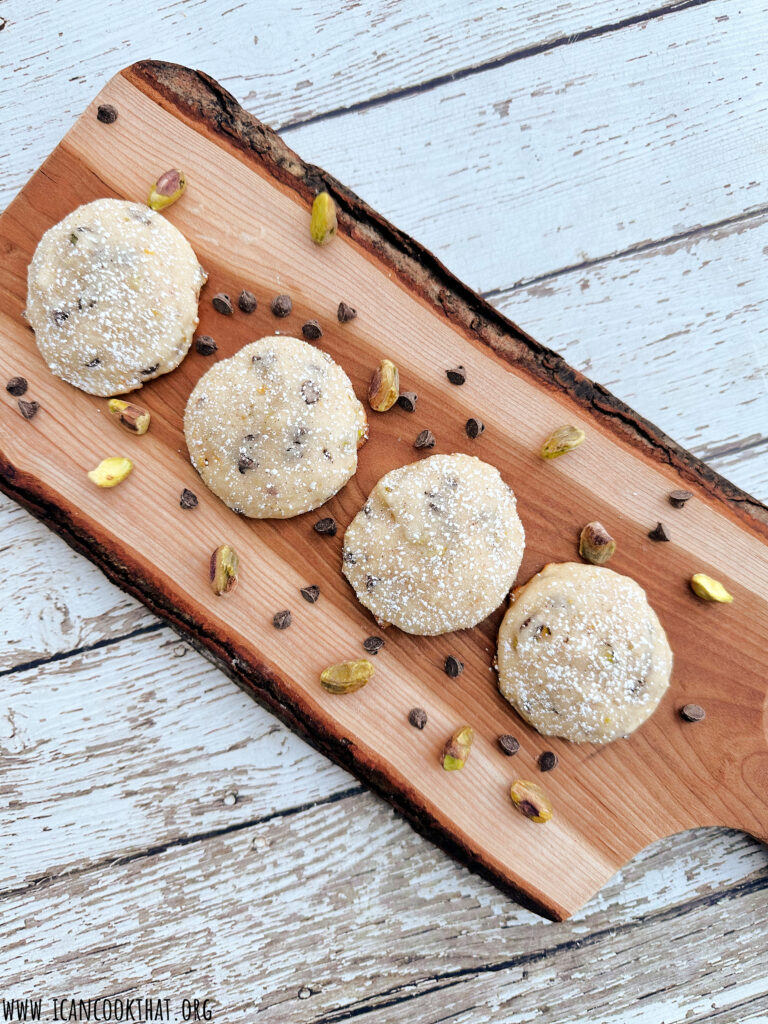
x=678 y=498
x=281 y=305
x=282 y=620
x=453 y=666
x=659 y=533
x=457 y=376
x=547 y=761
x=426 y=439
x=17 y=386
x=311 y=330
x=417 y=717
x=692 y=713
x=205 y=345
x=188 y=499
x=345 y=313
x=246 y=302
x=474 y=428
x=326 y=527
x=509 y=745
x=222 y=303
x=28 y=409
x=407 y=400
x=310 y=593
x=373 y=644
x=106 y=113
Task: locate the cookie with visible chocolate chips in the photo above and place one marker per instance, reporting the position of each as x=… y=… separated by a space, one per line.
x=437 y=545
x=274 y=430
x=112 y=294
x=582 y=654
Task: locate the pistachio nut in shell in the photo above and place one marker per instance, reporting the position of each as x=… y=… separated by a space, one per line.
x=223 y=569
x=596 y=545
x=384 y=389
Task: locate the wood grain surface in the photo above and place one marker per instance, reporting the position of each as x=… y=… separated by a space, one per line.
x=617 y=315
x=184 y=119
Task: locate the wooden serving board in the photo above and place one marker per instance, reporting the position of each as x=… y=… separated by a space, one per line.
x=246 y=213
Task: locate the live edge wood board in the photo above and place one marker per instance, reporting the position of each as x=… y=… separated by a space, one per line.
x=246 y=213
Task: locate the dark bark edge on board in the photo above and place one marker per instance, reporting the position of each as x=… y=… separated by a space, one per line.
x=201 y=99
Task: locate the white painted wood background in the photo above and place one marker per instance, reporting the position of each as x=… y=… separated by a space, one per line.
x=597 y=168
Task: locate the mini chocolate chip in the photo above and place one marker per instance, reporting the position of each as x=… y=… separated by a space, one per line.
x=59 y=316
x=281 y=305
x=659 y=533
x=106 y=113
x=693 y=713
x=310 y=594
x=16 y=386
x=474 y=427
x=453 y=666
x=349 y=557
x=327 y=527
x=457 y=376
x=282 y=620
x=417 y=717
x=28 y=409
x=312 y=330
x=509 y=745
x=371 y=581
x=94 y=362
x=547 y=761
x=244 y=463
x=246 y=302
x=222 y=304
x=426 y=439
x=310 y=392
x=373 y=644
x=407 y=400
x=150 y=369
x=188 y=499
x=679 y=498
x=205 y=345
x=345 y=313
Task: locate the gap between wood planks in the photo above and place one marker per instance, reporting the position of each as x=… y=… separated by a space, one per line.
x=498 y=62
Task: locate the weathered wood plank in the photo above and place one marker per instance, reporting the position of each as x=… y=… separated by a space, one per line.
x=290 y=62
x=116 y=751
x=679 y=331
x=527 y=169
x=288 y=918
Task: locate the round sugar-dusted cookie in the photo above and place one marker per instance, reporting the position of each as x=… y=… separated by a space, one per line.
x=112 y=295
x=274 y=430
x=437 y=545
x=582 y=654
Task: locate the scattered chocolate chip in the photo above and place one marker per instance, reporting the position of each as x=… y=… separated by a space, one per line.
x=547 y=761
x=205 y=345
x=312 y=330
x=457 y=376
x=16 y=386
x=327 y=527
x=310 y=392
x=349 y=558
x=679 y=498
x=453 y=666
x=407 y=400
x=94 y=362
x=417 y=717
x=371 y=581
x=59 y=316
x=659 y=533
x=28 y=409
x=188 y=499
x=244 y=463
x=373 y=644
x=106 y=113
x=474 y=427
x=246 y=302
x=426 y=439
x=150 y=369
x=509 y=745
x=310 y=594
x=281 y=305
x=282 y=620
x=222 y=304
x=693 y=713
x=345 y=313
